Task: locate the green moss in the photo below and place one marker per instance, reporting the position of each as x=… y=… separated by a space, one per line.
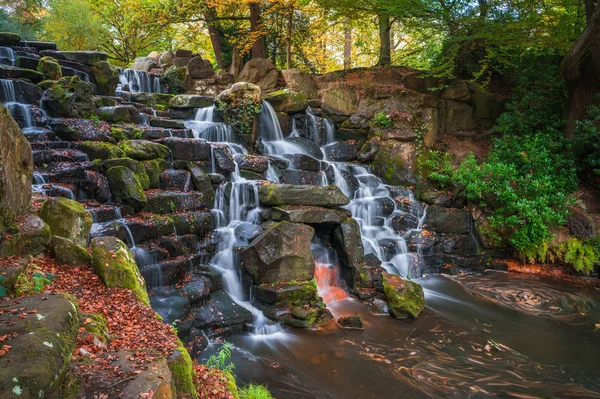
x=388 y=167
x=405 y=298
x=100 y=150
x=138 y=168
x=232 y=385
x=50 y=68
x=180 y=364
x=118 y=133
x=153 y=169
x=45 y=85
x=96 y=325
x=67 y=218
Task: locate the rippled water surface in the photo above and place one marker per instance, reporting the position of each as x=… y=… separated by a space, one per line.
x=496 y=335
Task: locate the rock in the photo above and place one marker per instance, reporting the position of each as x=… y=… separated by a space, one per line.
x=166 y=202
x=190 y=101
x=241 y=91
x=144 y=150
x=486 y=108
x=286 y=194
x=200 y=69
x=304 y=162
x=309 y=146
x=301 y=177
x=216 y=178
x=343 y=151
x=347 y=242
x=176 y=79
x=50 y=68
x=221 y=314
x=299 y=293
x=95 y=186
x=247 y=232
x=253 y=163
x=299 y=81
x=125 y=187
x=26 y=92
x=67 y=218
x=80 y=129
x=456 y=91
x=261 y=72
x=580 y=224
x=16 y=173
x=309 y=215
x=137 y=167
x=223 y=158
x=67 y=252
x=417 y=81
x=287 y=101
x=106 y=77
x=405 y=298
x=144 y=64
x=35 y=235
x=83 y=57
x=70 y=97
x=396 y=164
x=100 y=150
x=171 y=308
x=368 y=152
x=8 y=72
x=446 y=220
x=340 y=101
x=41 y=348
x=188 y=149
x=351 y=322
x=116 y=266
x=202 y=182
x=120 y=114
x=280 y=254
x=9 y=39
x=175 y=179
x=166 y=59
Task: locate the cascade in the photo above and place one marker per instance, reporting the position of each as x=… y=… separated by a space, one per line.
x=327 y=273
x=7 y=56
x=20 y=112
x=139 y=81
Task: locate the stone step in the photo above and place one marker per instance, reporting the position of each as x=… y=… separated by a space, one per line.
x=41 y=157
x=169 y=272
x=156 y=133
x=102 y=212
x=221 y=314
x=64 y=190
x=166 y=202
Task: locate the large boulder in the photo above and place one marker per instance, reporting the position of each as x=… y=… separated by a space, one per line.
x=287 y=194
x=9 y=39
x=116 y=266
x=347 y=241
x=340 y=101
x=35 y=235
x=188 y=149
x=50 y=68
x=309 y=215
x=280 y=254
x=26 y=92
x=200 y=69
x=342 y=151
x=144 y=64
x=16 y=172
x=405 y=298
x=299 y=81
x=137 y=167
x=106 y=77
x=67 y=252
x=41 y=345
x=190 y=101
x=70 y=97
x=67 y=218
x=287 y=101
x=100 y=150
x=261 y=72
x=144 y=150
x=83 y=57
x=241 y=91
x=125 y=187
x=447 y=220
x=120 y=114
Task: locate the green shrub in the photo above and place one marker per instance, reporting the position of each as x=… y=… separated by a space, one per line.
x=221 y=359
x=582 y=255
x=254 y=391
x=586 y=143
x=383 y=120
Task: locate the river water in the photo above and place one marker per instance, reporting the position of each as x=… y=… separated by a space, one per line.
x=495 y=335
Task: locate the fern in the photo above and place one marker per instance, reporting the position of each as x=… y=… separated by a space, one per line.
x=580 y=255
x=220 y=360
x=255 y=391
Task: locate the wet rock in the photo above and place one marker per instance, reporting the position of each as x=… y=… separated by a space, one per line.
x=253 y=163
x=304 y=162
x=50 y=68
x=80 y=129
x=137 y=167
x=309 y=146
x=223 y=158
x=188 y=149
x=190 y=101
x=70 y=97
x=309 y=215
x=125 y=187
x=402 y=222
x=35 y=235
x=26 y=92
x=287 y=101
x=116 y=266
x=106 y=77
x=351 y=322
x=165 y=202
x=216 y=178
x=9 y=39
x=246 y=232
x=202 y=182
x=379 y=307
x=344 y=151
x=285 y=194
x=47 y=338
x=347 y=242
x=144 y=150
x=8 y=72
x=261 y=72
x=100 y=150
x=300 y=81
x=172 y=179
x=67 y=252
x=200 y=223
x=120 y=114
x=367 y=274
x=462 y=244
x=297 y=294
x=171 y=309
x=200 y=69
x=221 y=313
x=280 y=253
x=446 y=220
x=301 y=177
x=67 y=218
x=82 y=57
x=16 y=173
x=368 y=152
x=167 y=123
x=405 y=298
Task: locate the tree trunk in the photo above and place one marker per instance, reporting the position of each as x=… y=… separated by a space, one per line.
x=216 y=36
x=236 y=63
x=288 y=44
x=347 y=45
x=259 y=49
x=581 y=67
x=385 y=46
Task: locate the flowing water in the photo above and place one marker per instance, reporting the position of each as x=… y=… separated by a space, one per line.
x=139 y=82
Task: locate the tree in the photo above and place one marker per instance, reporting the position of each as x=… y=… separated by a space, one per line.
x=72 y=25
x=581 y=66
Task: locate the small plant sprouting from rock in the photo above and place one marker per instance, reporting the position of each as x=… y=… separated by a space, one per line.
x=240 y=115
x=221 y=359
x=382 y=120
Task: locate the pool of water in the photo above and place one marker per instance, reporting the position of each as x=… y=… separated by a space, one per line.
x=496 y=335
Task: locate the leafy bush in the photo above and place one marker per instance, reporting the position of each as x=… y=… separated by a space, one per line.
x=383 y=120
x=586 y=143
x=254 y=391
x=220 y=360
x=580 y=254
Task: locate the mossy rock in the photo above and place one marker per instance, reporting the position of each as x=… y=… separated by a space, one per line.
x=100 y=150
x=95 y=324
x=9 y=39
x=35 y=236
x=70 y=97
x=180 y=364
x=125 y=187
x=293 y=294
x=287 y=101
x=144 y=150
x=175 y=79
x=50 y=68
x=115 y=264
x=45 y=85
x=405 y=298
x=288 y=194
x=106 y=77
x=67 y=252
x=138 y=168
x=67 y=218
x=153 y=169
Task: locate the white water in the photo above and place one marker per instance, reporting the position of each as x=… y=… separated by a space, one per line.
x=19 y=111
x=8 y=55
x=139 y=81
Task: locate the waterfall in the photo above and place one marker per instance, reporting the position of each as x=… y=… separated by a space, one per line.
x=272 y=136
x=204 y=127
x=327 y=273
x=22 y=113
x=8 y=91
x=7 y=56
x=329 y=137
x=139 y=81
